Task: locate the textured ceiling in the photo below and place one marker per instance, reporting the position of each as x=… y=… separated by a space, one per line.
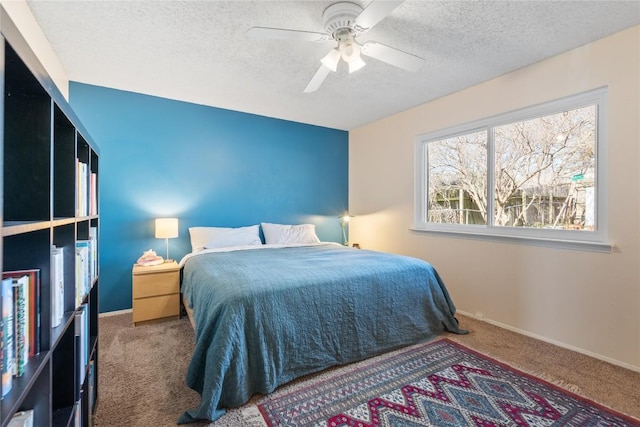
x=197 y=51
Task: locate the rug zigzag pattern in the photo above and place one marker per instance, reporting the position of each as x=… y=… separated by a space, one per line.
x=437 y=384
x=464 y=404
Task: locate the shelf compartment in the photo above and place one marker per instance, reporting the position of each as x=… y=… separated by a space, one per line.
x=58 y=331
x=32 y=250
x=64 y=237
x=64 y=183
x=64 y=371
x=27 y=142
x=26 y=388
x=63 y=417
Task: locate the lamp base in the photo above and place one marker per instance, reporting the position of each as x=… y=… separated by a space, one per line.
x=168 y=260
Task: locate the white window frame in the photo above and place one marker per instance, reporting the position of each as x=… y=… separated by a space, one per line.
x=595 y=240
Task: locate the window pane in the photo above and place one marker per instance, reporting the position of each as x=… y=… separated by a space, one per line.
x=545 y=171
x=457 y=179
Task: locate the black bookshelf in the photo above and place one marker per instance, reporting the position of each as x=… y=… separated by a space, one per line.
x=42 y=143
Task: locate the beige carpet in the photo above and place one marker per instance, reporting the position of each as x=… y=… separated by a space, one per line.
x=142 y=370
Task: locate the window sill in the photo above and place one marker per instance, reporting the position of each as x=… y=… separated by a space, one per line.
x=531 y=241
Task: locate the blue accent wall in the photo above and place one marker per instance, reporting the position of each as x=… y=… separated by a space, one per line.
x=207 y=167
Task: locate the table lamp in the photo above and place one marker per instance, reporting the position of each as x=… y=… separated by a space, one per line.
x=344 y=221
x=166 y=228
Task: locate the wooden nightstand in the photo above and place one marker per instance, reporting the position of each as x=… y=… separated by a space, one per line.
x=156 y=292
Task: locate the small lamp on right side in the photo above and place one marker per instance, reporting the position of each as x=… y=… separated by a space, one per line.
x=344 y=222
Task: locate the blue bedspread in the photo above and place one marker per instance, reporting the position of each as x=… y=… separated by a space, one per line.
x=267 y=316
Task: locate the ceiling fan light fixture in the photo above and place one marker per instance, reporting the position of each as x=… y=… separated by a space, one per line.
x=331 y=59
x=343 y=22
x=349 y=50
x=356 y=64
x=350 y=53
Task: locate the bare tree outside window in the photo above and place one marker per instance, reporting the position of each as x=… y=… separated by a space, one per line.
x=543 y=174
x=458 y=179
x=545 y=170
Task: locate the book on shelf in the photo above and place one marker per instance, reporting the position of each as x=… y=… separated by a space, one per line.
x=33 y=306
x=21 y=323
x=93 y=194
x=21 y=332
x=83 y=270
x=7 y=335
x=22 y=419
x=92 y=384
x=86 y=264
x=57 y=286
x=82 y=175
x=87 y=187
x=1 y=349
x=35 y=326
x=93 y=253
x=82 y=340
x=77 y=417
x=32 y=303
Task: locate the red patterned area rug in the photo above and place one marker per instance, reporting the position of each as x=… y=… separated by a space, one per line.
x=441 y=384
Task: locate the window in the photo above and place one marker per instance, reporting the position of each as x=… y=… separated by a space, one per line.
x=535 y=173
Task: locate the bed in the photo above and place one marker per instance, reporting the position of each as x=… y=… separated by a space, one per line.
x=266 y=314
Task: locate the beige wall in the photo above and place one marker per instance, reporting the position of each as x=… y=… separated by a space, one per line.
x=582 y=300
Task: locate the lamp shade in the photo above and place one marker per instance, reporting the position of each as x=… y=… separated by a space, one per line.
x=331 y=59
x=166 y=228
x=356 y=64
x=345 y=217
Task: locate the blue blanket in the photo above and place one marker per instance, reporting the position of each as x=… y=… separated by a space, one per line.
x=264 y=317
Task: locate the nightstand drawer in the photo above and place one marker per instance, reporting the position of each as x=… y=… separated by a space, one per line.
x=150 y=285
x=156 y=307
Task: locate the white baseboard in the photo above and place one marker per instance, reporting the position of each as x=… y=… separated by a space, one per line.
x=115 y=313
x=552 y=341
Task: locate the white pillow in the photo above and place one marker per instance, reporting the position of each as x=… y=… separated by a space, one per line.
x=285 y=234
x=220 y=237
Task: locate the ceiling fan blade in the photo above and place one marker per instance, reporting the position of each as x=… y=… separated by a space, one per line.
x=374 y=13
x=392 y=56
x=317 y=79
x=282 y=34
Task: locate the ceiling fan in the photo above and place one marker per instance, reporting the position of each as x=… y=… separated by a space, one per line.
x=343 y=22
